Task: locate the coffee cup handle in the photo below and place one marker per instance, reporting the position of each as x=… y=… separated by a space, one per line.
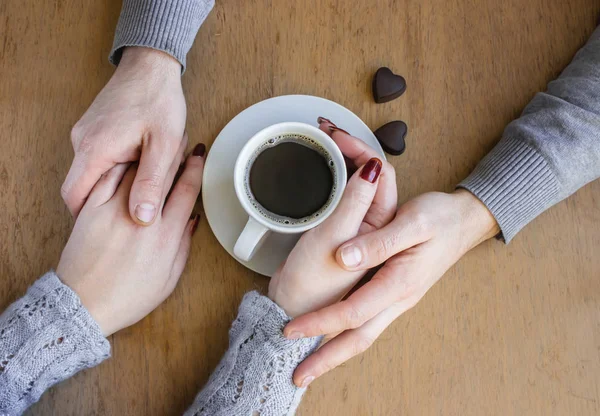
x=250 y=240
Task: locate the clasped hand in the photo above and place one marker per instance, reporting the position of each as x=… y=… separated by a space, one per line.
x=416 y=244
x=122 y=271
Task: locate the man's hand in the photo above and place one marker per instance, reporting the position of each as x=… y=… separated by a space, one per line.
x=139 y=115
x=429 y=234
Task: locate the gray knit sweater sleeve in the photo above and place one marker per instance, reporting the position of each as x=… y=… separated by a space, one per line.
x=167 y=25
x=45 y=337
x=255 y=375
x=550 y=152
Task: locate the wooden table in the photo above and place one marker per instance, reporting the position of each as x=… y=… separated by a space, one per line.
x=510 y=330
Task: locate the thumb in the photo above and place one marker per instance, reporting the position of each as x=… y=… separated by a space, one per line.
x=372 y=249
x=147 y=191
x=358 y=196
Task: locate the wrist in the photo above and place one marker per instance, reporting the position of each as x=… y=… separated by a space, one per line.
x=477 y=222
x=280 y=299
x=149 y=60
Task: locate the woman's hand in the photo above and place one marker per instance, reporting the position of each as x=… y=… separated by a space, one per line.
x=428 y=235
x=120 y=270
x=139 y=115
x=311 y=278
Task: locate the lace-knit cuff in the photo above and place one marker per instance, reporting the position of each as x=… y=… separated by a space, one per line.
x=255 y=375
x=45 y=337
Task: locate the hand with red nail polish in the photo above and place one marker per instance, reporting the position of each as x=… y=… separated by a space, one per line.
x=120 y=270
x=310 y=278
x=138 y=116
x=425 y=238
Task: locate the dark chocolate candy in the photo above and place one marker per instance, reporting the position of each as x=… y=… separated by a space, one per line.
x=391 y=137
x=387 y=86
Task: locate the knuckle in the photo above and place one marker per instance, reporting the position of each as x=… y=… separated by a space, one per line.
x=421 y=222
x=409 y=288
x=360 y=198
x=85 y=145
x=317 y=323
x=381 y=214
x=187 y=188
x=64 y=192
x=403 y=277
x=150 y=183
x=76 y=134
x=384 y=246
x=353 y=316
x=363 y=343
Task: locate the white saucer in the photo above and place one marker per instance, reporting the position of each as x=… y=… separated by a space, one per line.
x=224 y=213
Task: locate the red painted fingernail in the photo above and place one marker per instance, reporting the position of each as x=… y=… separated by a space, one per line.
x=336 y=128
x=371 y=170
x=195 y=224
x=324 y=120
x=199 y=150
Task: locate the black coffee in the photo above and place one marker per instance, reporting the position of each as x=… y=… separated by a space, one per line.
x=291 y=180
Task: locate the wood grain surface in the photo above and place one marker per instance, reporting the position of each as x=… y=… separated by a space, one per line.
x=510 y=330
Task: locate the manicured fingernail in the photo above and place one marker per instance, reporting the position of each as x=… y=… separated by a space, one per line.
x=307 y=381
x=145 y=212
x=199 y=150
x=195 y=224
x=324 y=120
x=295 y=335
x=351 y=255
x=336 y=128
x=371 y=170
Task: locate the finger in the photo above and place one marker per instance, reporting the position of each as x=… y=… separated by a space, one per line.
x=185 y=192
x=358 y=152
x=147 y=190
x=80 y=180
x=182 y=254
x=384 y=289
x=358 y=196
x=374 y=248
x=106 y=187
x=343 y=347
x=124 y=189
x=175 y=166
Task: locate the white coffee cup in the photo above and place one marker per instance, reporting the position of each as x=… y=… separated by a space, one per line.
x=260 y=223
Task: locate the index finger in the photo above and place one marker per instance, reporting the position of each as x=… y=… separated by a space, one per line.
x=385 y=202
x=80 y=181
x=358 y=308
x=180 y=204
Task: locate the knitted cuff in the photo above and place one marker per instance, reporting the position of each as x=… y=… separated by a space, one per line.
x=515 y=183
x=166 y=25
x=45 y=337
x=255 y=375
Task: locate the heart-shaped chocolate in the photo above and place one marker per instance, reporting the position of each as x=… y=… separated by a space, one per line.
x=387 y=86
x=391 y=137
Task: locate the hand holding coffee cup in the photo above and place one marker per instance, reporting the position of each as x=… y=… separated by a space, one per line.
x=289 y=178
x=311 y=280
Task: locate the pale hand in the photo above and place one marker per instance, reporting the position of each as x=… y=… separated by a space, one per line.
x=120 y=270
x=311 y=278
x=428 y=235
x=139 y=115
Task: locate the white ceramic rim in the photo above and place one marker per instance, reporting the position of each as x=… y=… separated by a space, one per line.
x=288 y=128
